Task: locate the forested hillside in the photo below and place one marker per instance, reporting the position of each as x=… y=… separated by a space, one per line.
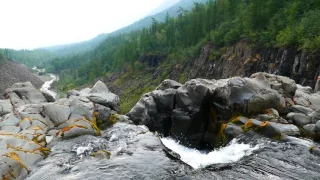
x=82 y=47
x=221 y=23
x=28 y=57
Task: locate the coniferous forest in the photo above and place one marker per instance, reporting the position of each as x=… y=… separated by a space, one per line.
x=222 y=23
x=265 y=23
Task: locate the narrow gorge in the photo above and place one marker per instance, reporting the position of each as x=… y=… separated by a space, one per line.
x=262 y=127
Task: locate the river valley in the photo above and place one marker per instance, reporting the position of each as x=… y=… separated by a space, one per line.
x=136 y=153
x=83 y=137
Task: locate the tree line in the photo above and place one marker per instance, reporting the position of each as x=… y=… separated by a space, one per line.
x=264 y=23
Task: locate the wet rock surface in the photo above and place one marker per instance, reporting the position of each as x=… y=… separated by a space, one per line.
x=136 y=153
x=28 y=121
x=200 y=109
x=83 y=137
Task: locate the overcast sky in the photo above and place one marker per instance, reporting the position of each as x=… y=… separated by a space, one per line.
x=28 y=24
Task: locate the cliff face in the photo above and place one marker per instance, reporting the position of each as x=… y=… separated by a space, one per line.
x=243 y=60
x=240 y=59
x=12 y=72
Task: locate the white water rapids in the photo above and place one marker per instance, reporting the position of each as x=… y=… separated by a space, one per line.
x=46 y=86
x=233 y=152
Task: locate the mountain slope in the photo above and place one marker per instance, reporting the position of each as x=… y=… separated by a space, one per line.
x=287 y=30
x=13 y=72
x=82 y=47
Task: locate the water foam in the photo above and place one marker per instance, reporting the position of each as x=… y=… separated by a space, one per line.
x=233 y=152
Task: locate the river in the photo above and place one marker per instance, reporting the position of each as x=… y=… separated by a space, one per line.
x=47 y=84
x=135 y=155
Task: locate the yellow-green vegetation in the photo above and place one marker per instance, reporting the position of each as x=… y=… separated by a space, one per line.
x=235 y=119
x=113 y=119
x=137 y=84
x=68 y=128
x=143 y=132
x=15 y=157
x=183 y=78
x=247 y=126
x=277 y=136
x=222 y=134
x=311 y=148
x=101 y=153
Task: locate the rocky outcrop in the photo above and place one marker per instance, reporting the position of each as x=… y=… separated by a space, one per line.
x=242 y=59
x=211 y=112
x=13 y=72
x=28 y=122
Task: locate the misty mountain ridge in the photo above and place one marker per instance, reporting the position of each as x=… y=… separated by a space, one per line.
x=171 y=8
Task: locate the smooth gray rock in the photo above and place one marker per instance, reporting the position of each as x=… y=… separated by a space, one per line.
x=288 y=129
x=15 y=100
x=310 y=128
x=9 y=120
x=302 y=109
x=140 y=113
x=24 y=93
x=283 y=85
x=80 y=108
x=167 y=84
x=317 y=126
x=315 y=116
x=5 y=107
x=299 y=119
x=48 y=97
x=57 y=113
x=104 y=113
x=307 y=100
x=232 y=131
x=200 y=103
x=263 y=100
x=106 y=99
x=305 y=89
x=164 y=99
x=76 y=127
x=99 y=87
x=73 y=93
x=193 y=92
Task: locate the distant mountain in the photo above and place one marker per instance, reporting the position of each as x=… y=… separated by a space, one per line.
x=164 y=6
x=171 y=8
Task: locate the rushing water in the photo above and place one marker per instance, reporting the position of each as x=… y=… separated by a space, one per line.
x=46 y=86
x=233 y=152
x=136 y=154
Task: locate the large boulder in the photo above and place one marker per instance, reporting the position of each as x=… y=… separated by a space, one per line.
x=24 y=93
x=57 y=113
x=193 y=111
x=99 y=94
x=72 y=117
x=285 y=86
x=168 y=83
x=5 y=107
x=306 y=98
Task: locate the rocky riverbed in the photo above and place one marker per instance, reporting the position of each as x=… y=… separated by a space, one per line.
x=262 y=127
